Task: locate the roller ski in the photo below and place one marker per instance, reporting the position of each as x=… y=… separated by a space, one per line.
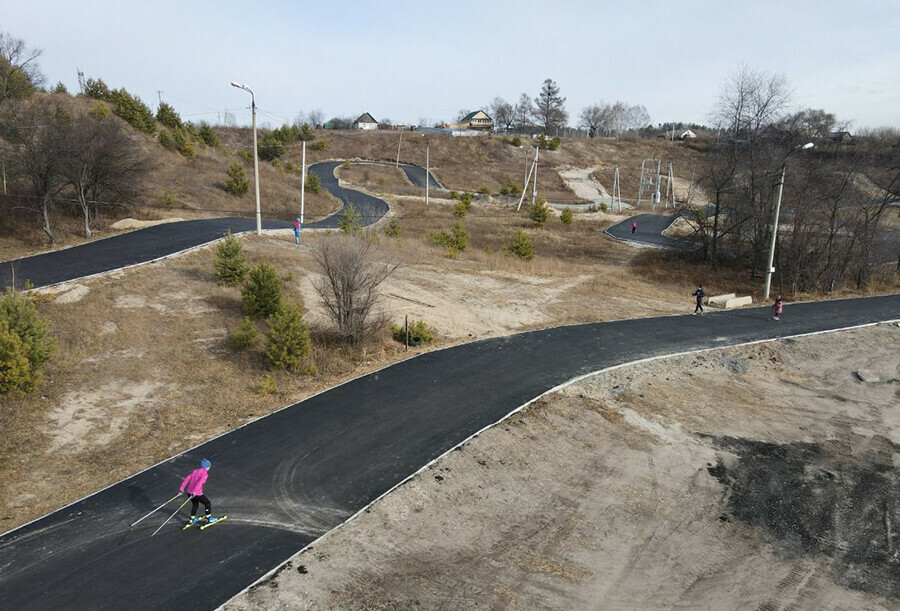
x=213 y=520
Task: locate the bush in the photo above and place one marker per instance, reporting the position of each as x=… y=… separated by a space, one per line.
x=262 y=291
x=96 y=88
x=231 y=268
x=183 y=142
x=511 y=188
x=16 y=376
x=554 y=144
x=566 y=217
x=287 y=342
x=454 y=195
x=419 y=333
x=270 y=147
x=99 y=111
x=237 y=182
x=520 y=246
x=516 y=141
x=456 y=241
x=133 y=110
x=166 y=115
x=208 y=136
x=166 y=140
x=306 y=133
x=246 y=155
x=318 y=145
x=539 y=212
x=351 y=220
x=313 y=184
x=168 y=200
x=19 y=317
x=603 y=207
x=460 y=209
x=392 y=229
x=245 y=336
x=484 y=190
x=267 y=386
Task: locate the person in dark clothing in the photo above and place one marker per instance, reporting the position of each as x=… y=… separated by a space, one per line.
x=699 y=294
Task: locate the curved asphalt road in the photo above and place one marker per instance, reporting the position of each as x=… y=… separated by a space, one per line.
x=416 y=174
x=151 y=243
x=286 y=479
x=650 y=229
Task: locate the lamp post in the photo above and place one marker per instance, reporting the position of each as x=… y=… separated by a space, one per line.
x=255 y=155
x=770 y=269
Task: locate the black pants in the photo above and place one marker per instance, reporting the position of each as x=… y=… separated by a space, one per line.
x=699 y=307
x=195 y=502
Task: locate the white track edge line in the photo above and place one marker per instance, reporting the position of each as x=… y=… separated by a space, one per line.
x=557 y=388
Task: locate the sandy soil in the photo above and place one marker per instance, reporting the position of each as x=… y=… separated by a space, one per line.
x=583 y=183
x=752 y=477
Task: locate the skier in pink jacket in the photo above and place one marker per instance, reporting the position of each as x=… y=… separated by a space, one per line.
x=193 y=485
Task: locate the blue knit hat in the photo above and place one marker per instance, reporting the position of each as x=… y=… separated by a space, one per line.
x=205 y=464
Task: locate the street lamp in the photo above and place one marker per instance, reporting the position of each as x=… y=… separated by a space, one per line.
x=770 y=269
x=255 y=154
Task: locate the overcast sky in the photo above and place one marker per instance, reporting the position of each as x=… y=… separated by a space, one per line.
x=407 y=60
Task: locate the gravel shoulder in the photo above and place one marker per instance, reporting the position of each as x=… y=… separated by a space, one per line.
x=759 y=476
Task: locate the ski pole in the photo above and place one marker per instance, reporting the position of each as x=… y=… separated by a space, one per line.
x=172 y=516
x=157 y=509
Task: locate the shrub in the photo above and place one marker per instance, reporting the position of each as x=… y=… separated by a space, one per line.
x=313 y=184
x=456 y=241
x=208 y=135
x=168 y=200
x=318 y=145
x=59 y=87
x=511 y=188
x=554 y=144
x=245 y=336
x=287 y=342
x=231 y=268
x=99 y=111
x=16 y=376
x=539 y=212
x=419 y=333
x=267 y=386
x=166 y=140
x=454 y=195
x=246 y=155
x=237 y=182
x=566 y=217
x=484 y=190
x=460 y=210
x=392 y=229
x=270 y=147
x=516 y=141
x=133 y=110
x=603 y=207
x=19 y=317
x=351 y=220
x=183 y=142
x=262 y=291
x=306 y=133
x=166 y=115
x=96 y=88
x=520 y=246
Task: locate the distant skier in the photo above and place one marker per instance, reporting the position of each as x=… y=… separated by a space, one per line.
x=297 y=230
x=699 y=294
x=777 y=308
x=194 y=485
x=633 y=227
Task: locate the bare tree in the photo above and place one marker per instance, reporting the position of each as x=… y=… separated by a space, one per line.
x=750 y=101
x=103 y=162
x=595 y=118
x=523 y=112
x=19 y=72
x=549 y=107
x=35 y=131
x=504 y=114
x=316 y=118
x=348 y=288
x=463 y=112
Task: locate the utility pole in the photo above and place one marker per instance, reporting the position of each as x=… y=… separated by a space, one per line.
x=537 y=150
x=255 y=154
x=4 y=178
x=617 y=191
x=427 y=167
x=397 y=165
x=159 y=95
x=302 y=183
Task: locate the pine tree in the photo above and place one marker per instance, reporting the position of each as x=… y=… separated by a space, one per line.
x=262 y=292
x=231 y=268
x=550 y=107
x=287 y=342
x=237 y=182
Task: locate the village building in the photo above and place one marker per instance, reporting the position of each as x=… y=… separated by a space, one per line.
x=476 y=120
x=365 y=121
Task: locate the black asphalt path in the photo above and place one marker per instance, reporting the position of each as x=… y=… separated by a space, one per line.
x=158 y=241
x=650 y=229
x=288 y=478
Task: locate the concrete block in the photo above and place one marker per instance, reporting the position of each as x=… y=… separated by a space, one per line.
x=737 y=302
x=718 y=301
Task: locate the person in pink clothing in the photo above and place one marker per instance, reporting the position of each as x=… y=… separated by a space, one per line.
x=633 y=227
x=777 y=308
x=193 y=485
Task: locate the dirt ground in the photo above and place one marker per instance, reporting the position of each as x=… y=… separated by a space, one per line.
x=752 y=477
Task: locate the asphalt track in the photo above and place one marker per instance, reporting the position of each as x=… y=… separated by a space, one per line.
x=152 y=243
x=650 y=229
x=286 y=479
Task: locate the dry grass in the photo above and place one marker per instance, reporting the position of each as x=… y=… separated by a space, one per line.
x=377 y=178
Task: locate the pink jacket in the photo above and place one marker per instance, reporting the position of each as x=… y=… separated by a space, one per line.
x=195 y=481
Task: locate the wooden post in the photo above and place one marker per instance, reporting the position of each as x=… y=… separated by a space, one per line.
x=406 y=324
